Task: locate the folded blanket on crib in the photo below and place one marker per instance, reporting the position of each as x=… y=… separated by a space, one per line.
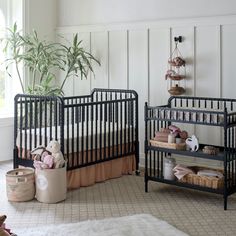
x=210 y=173
x=181 y=170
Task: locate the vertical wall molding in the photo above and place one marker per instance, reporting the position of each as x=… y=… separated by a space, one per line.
x=220 y=73
x=108 y=56
x=148 y=64
x=220 y=59
x=194 y=67
x=90 y=51
x=127 y=35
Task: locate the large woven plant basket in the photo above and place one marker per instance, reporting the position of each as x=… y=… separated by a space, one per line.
x=20 y=184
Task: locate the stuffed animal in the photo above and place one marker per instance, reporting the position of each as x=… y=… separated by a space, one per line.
x=174 y=129
x=38 y=164
x=54 y=148
x=38 y=152
x=48 y=160
x=3 y=230
x=192 y=143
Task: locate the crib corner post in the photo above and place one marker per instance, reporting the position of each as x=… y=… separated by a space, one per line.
x=15 y=156
x=137 y=171
x=61 y=122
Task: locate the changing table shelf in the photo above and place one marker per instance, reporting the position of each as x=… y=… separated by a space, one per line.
x=186 y=185
x=199 y=153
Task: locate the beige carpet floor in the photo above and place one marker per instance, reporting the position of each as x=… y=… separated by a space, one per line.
x=193 y=212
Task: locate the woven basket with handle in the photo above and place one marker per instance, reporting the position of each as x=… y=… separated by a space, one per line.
x=20 y=184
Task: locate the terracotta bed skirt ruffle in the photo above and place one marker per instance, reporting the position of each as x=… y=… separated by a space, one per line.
x=90 y=175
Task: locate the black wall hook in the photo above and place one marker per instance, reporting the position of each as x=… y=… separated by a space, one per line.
x=178 y=39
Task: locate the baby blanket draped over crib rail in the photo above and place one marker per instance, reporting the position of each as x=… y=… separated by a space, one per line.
x=98 y=133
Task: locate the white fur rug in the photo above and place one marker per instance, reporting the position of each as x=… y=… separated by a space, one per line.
x=136 y=225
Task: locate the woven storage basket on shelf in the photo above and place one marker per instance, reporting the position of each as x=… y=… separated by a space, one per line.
x=20 y=184
x=177 y=146
x=203 y=181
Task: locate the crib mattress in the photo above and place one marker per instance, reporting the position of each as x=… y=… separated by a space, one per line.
x=77 y=137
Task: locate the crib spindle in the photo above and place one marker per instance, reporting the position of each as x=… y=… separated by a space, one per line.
x=25 y=128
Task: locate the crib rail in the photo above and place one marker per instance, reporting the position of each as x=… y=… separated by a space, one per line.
x=202 y=103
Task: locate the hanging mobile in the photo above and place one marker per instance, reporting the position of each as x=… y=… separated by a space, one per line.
x=176 y=72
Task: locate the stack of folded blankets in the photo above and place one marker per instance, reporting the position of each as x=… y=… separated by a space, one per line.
x=162 y=135
x=181 y=170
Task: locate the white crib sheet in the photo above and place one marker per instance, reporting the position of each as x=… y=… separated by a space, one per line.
x=88 y=136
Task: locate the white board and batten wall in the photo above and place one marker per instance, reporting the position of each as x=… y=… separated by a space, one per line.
x=135 y=55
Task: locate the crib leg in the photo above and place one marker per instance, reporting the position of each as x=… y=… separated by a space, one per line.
x=137 y=172
x=146 y=184
x=15 y=165
x=225 y=202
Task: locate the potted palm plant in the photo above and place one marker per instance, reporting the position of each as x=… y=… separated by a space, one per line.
x=42 y=59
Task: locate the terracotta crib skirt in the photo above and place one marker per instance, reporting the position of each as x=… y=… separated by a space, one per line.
x=90 y=175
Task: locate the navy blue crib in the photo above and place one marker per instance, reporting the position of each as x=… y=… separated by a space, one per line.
x=91 y=129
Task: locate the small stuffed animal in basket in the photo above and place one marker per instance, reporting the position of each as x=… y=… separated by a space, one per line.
x=54 y=148
x=42 y=159
x=38 y=152
x=192 y=143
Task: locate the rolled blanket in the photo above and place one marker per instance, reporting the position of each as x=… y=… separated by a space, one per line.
x=181 y=170
x=210 y=173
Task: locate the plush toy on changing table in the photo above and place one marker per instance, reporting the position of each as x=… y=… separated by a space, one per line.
x=192 y=143
x=55 y=149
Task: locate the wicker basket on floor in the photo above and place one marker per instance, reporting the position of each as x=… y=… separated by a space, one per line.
x=20 y=184
x=203 y=181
